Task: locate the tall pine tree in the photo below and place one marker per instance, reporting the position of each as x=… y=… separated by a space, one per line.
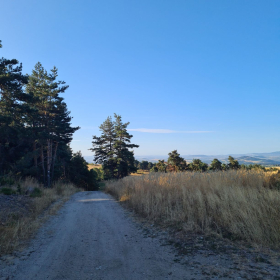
x=113 y=148
x=12 y=109
x=50 y=119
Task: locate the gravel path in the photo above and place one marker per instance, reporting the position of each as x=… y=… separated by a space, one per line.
x=93 y=237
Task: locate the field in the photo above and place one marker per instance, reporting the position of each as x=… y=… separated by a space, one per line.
x=140 y=172
x=239 y=205
x=91 y=166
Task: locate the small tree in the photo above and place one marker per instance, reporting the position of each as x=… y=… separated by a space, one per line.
x=233 y=163
x=198 y=165
x=154 y=169
x=215 y=165
x=161 y=166
x=150 y=165
x=224 y=167
x=80 y=175
x=144 y=165
x=175 y=162
x=103 y=148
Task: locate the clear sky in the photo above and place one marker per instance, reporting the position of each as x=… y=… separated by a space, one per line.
x=201 y=77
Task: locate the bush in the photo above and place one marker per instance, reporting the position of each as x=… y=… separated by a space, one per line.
x=6 y=180
x=7 y=191
x=36 y=193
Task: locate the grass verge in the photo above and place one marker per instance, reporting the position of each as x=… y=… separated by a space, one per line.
x=239 y=205
x=15 y=228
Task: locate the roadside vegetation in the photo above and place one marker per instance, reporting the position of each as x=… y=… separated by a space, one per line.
x=38 y=169
x=236 y=204
x=25 y=204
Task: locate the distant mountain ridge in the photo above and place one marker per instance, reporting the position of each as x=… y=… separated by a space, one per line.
x=266 y=159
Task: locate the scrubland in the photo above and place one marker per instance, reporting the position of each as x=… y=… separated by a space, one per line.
x=18 y=222
x=236 y=204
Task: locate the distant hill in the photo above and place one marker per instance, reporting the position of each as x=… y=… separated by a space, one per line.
x=257 y=160
x=266 y=159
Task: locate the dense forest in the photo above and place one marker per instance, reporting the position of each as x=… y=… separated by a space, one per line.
x=35 y=128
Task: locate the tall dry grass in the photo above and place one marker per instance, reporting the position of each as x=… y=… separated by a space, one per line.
x=18 y=228
x=236 y=204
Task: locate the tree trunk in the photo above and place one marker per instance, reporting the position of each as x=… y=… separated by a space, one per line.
x=54 y=158
x=43 y=165
x=49 y=161
x=35 y=154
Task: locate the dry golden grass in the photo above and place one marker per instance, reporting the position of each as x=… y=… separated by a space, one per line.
x=235 y=204
x=140 y=172
x=92 y=166
x=18 y=229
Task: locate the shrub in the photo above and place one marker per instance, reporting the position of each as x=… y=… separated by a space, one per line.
x=7 y=191
x=36 y=193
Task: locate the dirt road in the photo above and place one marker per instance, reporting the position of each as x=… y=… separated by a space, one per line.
x=92 y=237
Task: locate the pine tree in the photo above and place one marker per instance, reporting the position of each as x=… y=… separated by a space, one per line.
x=113 y=148
x=198 y=165
x=103 y=147
x=175 y=162
x=215 y=165
x=122 y=146
x=233 y=163
x=12 y=107
x=50 y=119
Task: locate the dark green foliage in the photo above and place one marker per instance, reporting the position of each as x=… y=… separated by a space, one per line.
x=19 y=190
x=7 y=191
x=150 y=165
x=113 y=149
x=175 y=162
x=253 y=166
x=6 y=180
x=49 y=121
x=233 y=163
x=80 y=175
x=12 y=112
x=154 y=169
x=136 y=163
x=215 y=165
x=35 y=124
x=159 y=167
x=198 y=165
x=224 y=167
x=100 y=174
x=144 y=164
x=36 y=193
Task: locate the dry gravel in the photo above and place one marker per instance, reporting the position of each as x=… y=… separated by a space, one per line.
x=93 y=237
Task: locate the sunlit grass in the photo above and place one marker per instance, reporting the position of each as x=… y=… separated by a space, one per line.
x=92 y=166
x=235 y=204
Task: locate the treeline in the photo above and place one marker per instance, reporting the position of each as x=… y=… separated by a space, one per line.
x=35 y=127
x=143 y=165
x=177 y=163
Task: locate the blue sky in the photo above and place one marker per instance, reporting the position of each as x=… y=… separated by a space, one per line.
x=201 y=77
